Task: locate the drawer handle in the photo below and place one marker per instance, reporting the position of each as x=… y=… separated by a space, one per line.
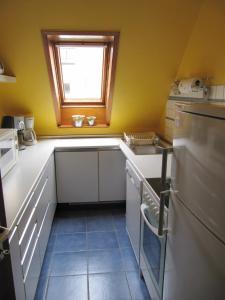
x=29 y=242
x=39 y=197
x=31 y=196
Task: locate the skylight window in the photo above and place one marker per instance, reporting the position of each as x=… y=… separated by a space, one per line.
x=81 y=68
x=82 y=72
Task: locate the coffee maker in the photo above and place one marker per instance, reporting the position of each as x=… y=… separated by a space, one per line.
x=24 y=126
x=16 y=122
x=29 y=135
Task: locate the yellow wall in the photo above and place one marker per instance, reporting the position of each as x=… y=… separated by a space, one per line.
x=205 y=53
x=153 y=39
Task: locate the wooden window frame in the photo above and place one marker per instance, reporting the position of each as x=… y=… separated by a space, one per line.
x=65 y=109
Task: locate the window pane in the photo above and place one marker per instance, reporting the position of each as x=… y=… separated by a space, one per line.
x=82 y=72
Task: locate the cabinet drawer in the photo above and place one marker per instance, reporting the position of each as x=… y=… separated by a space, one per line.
x=32 y=274
x=21 y=225
x=29 y=250
x=31 y=203
x=45 y=231
x=27 y=232
x=42 y=203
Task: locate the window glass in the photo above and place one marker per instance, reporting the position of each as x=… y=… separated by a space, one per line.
x=82 y=72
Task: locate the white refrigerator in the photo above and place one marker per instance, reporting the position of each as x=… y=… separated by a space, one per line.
x=195 y=258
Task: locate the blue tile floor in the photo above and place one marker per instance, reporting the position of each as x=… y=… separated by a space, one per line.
x=89 y=256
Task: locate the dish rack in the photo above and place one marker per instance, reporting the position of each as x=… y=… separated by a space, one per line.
x=140 y=138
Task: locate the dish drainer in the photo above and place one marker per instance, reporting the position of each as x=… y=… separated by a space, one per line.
x=140 y=138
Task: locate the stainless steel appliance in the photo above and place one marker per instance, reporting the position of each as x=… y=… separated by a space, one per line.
x=8 y=150
x=154 y=211
x=16 y=122
x=153 y=243
x=25 y=129
x=195 y=257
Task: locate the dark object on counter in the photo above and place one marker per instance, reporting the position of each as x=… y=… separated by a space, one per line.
x=8 y=122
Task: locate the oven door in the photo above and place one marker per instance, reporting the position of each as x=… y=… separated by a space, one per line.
x=153 y=251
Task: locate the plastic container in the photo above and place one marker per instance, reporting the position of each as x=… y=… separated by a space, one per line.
x=91 y=120
x=78 y=120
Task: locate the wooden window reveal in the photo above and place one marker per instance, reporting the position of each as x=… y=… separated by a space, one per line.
x=81 y=68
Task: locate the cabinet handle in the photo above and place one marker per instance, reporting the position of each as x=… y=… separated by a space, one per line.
x=131 y=178
x=154 y=229
x=39 y=197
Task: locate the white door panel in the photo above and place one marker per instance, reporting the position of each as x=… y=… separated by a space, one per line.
x=112 y=176
x=77 y=176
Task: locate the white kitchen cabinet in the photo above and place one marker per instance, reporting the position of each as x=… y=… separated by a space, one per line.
x=29 y=238
x=33 y=272
x=49 y=204
x=112 y=176
x=52 y=181
x=16 y=265
x=45 y=231
x=133 y=204
x=77 y=176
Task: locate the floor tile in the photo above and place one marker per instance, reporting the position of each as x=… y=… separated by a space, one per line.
x=101 y=261
x=102 y=240
x=71 y=213
x=46 y=265
x=100 y=223
x=129 y=259
x=137 y=287
x=69 y=263
x=51 y=242
x=70 y=242
x=70 y=225
x=119 y=222
x=109 y=286
x=54 y=225
x=99 y=212
x=123 y=238
x=67 y=288
x=41 y=288
x=118 y=211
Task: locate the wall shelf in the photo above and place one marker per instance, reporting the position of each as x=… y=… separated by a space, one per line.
x=6 y=78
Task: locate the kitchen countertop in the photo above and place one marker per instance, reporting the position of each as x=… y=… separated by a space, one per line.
x=20 y=181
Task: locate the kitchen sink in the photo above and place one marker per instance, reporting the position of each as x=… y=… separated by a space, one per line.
x=150 y=149
x=145 y=149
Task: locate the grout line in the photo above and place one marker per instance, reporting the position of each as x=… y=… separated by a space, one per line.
x=88 y=288
x=46 y=290
x=114 y=230
x=128 y=285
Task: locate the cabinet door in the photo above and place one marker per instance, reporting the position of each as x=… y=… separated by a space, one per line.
x=112 y=176
x=51 y=176
x=133 y=203
x=33 y=272
x=77 y=176
x=45 y=231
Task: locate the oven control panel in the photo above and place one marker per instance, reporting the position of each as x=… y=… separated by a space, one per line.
x=153 y=203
